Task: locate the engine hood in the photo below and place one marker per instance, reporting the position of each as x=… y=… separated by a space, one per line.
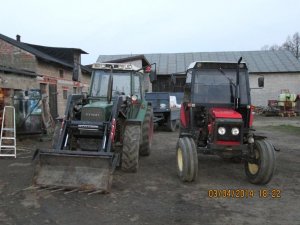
x=225 y=113
x=96 y=111
x=99 y=104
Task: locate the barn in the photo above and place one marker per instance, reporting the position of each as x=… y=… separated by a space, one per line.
x=280 y=69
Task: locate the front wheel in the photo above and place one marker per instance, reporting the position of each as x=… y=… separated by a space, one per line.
x=261 y=170
x=147 y=133
x=130 y=151
x=187 y=159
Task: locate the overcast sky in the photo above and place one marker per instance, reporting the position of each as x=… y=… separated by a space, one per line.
x=151 y=26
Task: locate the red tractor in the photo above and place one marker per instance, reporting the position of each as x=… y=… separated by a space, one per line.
x=216 y=118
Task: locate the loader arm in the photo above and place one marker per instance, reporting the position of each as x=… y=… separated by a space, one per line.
x=63 y=134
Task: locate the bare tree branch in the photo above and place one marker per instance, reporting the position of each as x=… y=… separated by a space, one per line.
x=291 y=44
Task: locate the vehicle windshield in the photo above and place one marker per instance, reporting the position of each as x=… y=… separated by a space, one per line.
x=211 y=86
x=121 y=83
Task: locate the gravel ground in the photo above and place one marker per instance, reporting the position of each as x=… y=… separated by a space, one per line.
x=155 y=195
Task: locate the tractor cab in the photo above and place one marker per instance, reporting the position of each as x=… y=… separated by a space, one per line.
x=109 y=82
x=126 y=81
x=216 y=118
x=214 y=101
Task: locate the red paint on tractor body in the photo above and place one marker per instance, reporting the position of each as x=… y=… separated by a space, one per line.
x=228 y=143
x=184 y=116
x=225 y=113
x=251 y=115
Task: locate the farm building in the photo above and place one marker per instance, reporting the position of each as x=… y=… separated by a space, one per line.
x=280 y=69
x=28 y=72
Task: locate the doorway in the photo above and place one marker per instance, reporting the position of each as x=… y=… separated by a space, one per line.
x=53 y=100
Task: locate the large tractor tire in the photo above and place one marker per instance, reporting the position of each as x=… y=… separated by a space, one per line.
x=147 y=133
x=262 y=171
x=56 y=134
x=171 y=124
x=130 y=152
x=187 y=159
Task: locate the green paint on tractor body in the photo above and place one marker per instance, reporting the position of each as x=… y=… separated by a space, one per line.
x=97 y=111
x=102 y=130
x=127 y=83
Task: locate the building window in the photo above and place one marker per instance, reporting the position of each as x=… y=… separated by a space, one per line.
x=65 y=94
x=61 y=73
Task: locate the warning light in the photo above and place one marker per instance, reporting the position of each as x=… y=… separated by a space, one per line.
x=148 y=69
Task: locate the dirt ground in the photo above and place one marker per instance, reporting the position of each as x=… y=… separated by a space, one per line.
x=155 y=195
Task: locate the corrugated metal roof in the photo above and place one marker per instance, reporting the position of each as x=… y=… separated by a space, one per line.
x=257 y=61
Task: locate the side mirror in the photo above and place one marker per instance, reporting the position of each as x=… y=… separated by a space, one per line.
x=152 y=72
x=152 y=75
x=261 y=82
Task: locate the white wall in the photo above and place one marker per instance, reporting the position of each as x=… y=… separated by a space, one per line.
x=274 y=83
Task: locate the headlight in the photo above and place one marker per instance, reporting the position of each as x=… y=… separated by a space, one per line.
x=134 y=98
x=221 y=130
x=235 y=131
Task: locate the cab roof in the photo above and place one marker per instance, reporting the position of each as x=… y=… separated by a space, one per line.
x=115 y=66
x=216 y=65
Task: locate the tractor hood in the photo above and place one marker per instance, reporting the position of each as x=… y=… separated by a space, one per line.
x=225 y=113
x=96 y=111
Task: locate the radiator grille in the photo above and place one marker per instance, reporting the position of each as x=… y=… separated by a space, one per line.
x=92 y=114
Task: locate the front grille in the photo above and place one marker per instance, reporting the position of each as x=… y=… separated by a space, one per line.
x=228 y=136
x=92 y=114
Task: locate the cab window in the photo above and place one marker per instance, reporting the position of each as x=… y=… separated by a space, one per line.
x=136 y=86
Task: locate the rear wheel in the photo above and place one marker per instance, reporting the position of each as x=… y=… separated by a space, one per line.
x=147 y=133
x=262 y=169
x=187 y=159
x=172 y=124
x=130 y=152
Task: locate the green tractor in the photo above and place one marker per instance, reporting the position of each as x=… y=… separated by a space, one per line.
x=109 y=127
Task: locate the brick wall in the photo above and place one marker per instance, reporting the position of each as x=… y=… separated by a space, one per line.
x=85 y=80
x=273 y=85
x=14 y=57
x=14 y=81
x=64 y=83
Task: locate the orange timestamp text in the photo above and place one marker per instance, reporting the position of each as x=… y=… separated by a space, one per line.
x=244 y=193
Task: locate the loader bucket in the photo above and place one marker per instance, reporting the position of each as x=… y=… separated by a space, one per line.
x=74 y=170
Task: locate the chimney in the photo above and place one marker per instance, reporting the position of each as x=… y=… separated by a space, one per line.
x=18 y=38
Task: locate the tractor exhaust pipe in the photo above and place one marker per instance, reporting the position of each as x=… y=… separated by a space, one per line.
x=237 y=88
x=110 y=87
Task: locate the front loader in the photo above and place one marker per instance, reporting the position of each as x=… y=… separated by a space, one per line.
x=108 y=128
